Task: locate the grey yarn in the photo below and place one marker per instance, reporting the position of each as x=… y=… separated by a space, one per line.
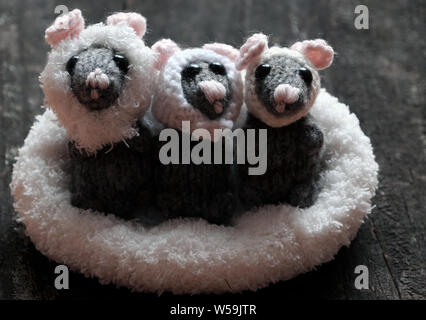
x=195 y=96
x=284 y=70
x=89 y=60
x=118 y=179
x=294 y=165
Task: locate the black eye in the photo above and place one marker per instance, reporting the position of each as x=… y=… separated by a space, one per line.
x=306 y=75
x=217 y=68
x=262 y=71
x=71 y=64
x=121 y=62
x=191 y=71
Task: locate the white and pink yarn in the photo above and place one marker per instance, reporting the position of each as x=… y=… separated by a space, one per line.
x=170 y=106
x=285 y=94
x=214 y=92
x=313 y=54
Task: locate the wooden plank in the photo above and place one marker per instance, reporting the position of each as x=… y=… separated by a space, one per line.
x=20 y=100
x=383 y=89
x=24 y=272
x=192 y=23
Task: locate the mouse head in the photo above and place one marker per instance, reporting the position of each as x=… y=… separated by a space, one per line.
x=98 y=80
x=199 y=85
x=282 y=83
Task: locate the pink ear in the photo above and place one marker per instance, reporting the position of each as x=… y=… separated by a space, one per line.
x=318 y=52
x=223 y=49
x=132 y=19
x=68 y=25
x=165 y=48
x=252 y=49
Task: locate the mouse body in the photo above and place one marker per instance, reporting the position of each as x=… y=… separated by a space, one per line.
x=201 y=87
x=99 y=82
x=281 y=85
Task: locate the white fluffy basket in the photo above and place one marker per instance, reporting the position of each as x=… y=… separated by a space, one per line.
x=191 y=256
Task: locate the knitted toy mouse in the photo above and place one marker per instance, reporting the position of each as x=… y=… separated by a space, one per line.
x=281 y=85
x=99 y=82
x=203 y=87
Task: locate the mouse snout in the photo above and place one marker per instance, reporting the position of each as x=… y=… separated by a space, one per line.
x=97 y=80
x=214 y=92
x=285 y=94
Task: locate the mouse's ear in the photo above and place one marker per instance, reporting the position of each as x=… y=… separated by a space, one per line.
x=132 y=19
x=318 y=52
x=68 y=25
x=251 y=50
x=164 y=49
x=223 y=49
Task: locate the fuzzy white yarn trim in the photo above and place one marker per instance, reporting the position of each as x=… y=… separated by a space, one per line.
x=170 y=106
x=93 y=130
x=191 y=256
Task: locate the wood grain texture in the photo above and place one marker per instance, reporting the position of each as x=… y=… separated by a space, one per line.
x=378 y=72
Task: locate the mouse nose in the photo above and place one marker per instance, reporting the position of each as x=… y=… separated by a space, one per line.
x=285 y=94
x=214 y=92
x=97 y=80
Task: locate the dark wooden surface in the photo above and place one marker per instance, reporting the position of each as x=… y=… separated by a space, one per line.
x=379 y=72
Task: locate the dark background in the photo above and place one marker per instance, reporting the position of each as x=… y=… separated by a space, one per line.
x=378 y=72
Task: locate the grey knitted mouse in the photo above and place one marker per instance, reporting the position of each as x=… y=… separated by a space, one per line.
x=99 y=81
x=202 y=87
x=281 y=85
